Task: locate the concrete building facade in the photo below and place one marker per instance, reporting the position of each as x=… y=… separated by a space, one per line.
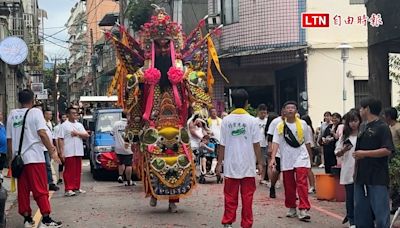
x=17 y=18
x=264 y=49
x=261 y=49
x=78 y=49
x=324 y=64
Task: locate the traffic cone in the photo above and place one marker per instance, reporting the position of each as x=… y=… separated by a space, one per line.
x=9 y=174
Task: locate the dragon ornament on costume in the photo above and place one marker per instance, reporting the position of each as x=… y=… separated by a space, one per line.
x=157 y=79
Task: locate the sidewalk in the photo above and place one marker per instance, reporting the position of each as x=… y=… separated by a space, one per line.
x=12 y=196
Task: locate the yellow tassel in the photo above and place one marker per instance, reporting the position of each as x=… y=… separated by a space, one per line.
x=13 y=186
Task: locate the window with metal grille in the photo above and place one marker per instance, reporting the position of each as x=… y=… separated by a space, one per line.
x=230 y=11
x=360 y=91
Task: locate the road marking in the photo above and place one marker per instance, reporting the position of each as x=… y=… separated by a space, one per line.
x=334 y=215
x=38 y=216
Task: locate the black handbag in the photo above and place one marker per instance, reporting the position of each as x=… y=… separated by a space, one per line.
x=17 y=164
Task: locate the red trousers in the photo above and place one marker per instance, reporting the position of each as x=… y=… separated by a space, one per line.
x=33 y=179
x=231 y=192
x=296 y=179
x=72 y=173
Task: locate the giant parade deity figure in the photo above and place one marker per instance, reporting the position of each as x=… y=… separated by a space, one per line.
x=161 y=79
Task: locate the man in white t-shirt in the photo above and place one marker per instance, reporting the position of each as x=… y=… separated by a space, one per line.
x=274 y=173
x=48 y=115
x=293 y=139
x=239 y=151
x=262 y=114
x=63 y=118
x=33 y=177
x=70 y=139
x=123 y=151
x=214 y=123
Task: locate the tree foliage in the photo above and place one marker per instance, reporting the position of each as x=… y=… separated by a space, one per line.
x=394 y=67
x=139 y=12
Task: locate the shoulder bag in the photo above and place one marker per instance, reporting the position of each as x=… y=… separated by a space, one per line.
x=17 y=164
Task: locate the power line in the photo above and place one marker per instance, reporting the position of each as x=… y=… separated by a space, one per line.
x=55 y=43
x=81 y=20
x=47 y=36
x=57 y=27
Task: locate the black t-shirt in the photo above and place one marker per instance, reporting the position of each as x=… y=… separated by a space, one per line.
x=372 y=136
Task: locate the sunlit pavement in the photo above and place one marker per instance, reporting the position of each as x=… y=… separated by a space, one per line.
x=109 y=204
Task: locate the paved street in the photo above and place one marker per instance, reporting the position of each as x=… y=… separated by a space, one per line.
x=109 y=204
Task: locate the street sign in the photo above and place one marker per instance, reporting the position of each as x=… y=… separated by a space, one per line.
x=13 y=50
x=37 y=88
x=42 y=95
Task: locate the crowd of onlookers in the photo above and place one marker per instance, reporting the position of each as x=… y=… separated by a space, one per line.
x=281 y=148
x=357 y=146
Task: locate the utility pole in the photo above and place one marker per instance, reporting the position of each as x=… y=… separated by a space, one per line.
x=55 y=92
x=177 y=11
x=67 y=75
x=94 y=63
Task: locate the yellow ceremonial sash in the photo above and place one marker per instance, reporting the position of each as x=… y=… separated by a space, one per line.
x=239 y=111
x=299 y=128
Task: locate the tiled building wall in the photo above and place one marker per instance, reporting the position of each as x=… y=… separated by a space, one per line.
x=262 y=24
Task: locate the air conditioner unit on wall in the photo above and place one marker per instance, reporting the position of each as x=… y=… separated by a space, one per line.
x=214 y=20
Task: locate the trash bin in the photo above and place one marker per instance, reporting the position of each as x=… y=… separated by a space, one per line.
x=325 y=186
x=340 y=191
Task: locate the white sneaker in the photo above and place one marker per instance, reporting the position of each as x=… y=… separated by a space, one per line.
x=291 y=213
x=303 y=215
x=80 y=191
x=29 y=224
x=172 y=208
x=352 y=226
x=311 y=190
x=278 y=184
x=228 y=226
x=70 y=193
x=321 y=166
x=153 y=201
x=51 y=224
x=263 y=182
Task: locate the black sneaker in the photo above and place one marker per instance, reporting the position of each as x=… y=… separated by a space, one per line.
x=28 y=222
x=393 y=211
x=60 y=181
x=272 y=193
x=49 y=222
x=53 y=187
x=120 y=179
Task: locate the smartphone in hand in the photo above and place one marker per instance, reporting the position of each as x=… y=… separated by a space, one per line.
x=347 y=142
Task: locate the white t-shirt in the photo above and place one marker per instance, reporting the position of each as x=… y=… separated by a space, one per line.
x=238 y=134
x=262 y=123
x=32 y=150
x=51 y=137
x=118 y=131
x=215 y=127
x=56 y=130
x=194 y=141
x=73 y=146
x=310 y=132
x=348 y=162
x=271 y=130
x=293 y=157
